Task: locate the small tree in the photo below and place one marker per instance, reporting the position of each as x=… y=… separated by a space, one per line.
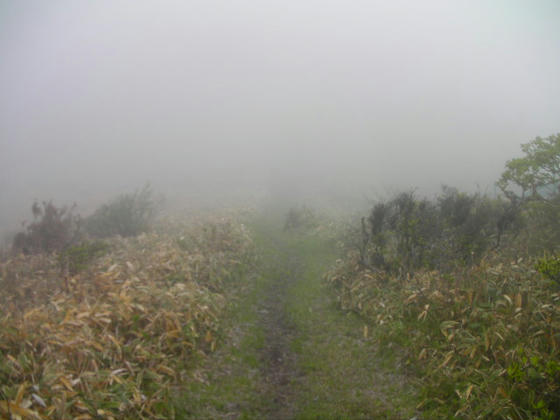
x=537 y=174
x=532 y=183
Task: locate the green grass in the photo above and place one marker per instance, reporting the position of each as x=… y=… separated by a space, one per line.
x=228 y=380
x=344 y=377
x=338 y=374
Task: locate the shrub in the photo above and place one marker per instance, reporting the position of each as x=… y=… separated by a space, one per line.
x=406 y=233
x=77 y=257
x=298 y=218
x=550 y=268
x=53 y=228
x=543 y=225
x=127 y=215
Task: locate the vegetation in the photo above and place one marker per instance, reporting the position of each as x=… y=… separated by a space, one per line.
x=127 y=215
x=475 y=319
x=290 y=352
x=115 y=340
x=300 y=218
x=456 y=296
x=406 y=234
x=342 y=377
x=77 y=257
x=535 y=175
x=550 y=268
x=532 y=184
x=464 y=334
x=53 y=229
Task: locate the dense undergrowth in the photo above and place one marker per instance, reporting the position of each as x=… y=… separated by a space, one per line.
x=481 y=335
x=112 y=336
x=482 y=343
x=458 y=288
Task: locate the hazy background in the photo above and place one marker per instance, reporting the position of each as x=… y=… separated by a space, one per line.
x=216 y=100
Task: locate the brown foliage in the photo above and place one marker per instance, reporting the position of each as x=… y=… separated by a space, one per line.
x=114 y=340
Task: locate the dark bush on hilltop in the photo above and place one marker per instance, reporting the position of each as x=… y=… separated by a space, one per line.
x=127 y=215
x=53 y=229
x=298 y=218
x=407 y=233
x=473 y=223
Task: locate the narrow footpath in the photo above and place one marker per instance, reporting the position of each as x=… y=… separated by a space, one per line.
x=288 y=351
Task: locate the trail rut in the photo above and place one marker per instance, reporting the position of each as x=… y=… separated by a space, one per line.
x=279 y=369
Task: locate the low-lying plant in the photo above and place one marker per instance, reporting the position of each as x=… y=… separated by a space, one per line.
x=482 y=342
x=549 y=267
x=114 y=340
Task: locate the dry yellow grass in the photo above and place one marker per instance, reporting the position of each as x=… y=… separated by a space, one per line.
x=112 y=340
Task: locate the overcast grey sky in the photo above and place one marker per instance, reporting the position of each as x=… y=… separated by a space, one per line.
x=99 y=97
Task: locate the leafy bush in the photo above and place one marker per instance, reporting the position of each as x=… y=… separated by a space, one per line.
x=405 y=234
x=127 y=215
x=542 y=219
x=53 y=228
x=550 y=268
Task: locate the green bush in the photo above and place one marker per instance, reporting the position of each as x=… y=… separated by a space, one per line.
x=543 y=225
x=127 y=215
x=77 y=257
x=406 y=233
x=550 y=268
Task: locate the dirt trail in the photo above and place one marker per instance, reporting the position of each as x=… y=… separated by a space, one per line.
x=280 y=364
x=290 y=353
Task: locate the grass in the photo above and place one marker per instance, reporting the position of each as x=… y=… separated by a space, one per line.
x=343 y=376
x=168 y=326
x=229 y=380
x=482 y=343
x=113 y=340
x=336 y=372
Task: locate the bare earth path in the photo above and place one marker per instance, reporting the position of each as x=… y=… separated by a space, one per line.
x=280 y=362
x=288 y=352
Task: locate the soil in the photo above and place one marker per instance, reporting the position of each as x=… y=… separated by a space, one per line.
x=279 y=361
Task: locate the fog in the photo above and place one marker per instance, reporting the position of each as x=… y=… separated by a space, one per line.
x=216 y=102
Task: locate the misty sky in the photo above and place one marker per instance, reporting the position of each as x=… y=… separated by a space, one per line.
x=207 y=96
